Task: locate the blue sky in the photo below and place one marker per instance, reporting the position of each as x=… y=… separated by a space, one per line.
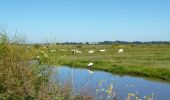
x=88 y=20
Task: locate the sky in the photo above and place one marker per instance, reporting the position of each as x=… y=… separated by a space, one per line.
x=87 y=20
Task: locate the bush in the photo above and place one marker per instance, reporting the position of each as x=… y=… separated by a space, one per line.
x=37 y=46
x=21 y=80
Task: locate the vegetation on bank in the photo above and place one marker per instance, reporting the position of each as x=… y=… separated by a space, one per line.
x=21 y=78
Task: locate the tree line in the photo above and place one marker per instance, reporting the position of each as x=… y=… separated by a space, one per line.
x=113 y=42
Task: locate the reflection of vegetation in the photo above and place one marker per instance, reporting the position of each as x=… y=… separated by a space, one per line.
x=110 y=91
x=137 y=97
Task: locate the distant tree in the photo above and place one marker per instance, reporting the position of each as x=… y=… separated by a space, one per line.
x=87 y=43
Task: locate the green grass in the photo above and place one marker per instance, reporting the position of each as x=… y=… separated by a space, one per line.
x=151 y=61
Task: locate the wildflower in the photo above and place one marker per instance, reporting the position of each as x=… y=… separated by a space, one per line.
x=38 y=57
x=100 y=83
x=97 y=90
x=110 y=89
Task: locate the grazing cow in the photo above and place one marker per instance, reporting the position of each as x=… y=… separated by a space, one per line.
x=90 y=64
x=74 y=51
x=77 y=51
x=102 y=50
x=91 y=51
x=120 y=51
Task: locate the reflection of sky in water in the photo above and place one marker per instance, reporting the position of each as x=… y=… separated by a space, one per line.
x=83 y=80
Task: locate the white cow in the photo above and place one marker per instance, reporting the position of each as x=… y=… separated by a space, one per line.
x=120 y=51
x=90 y=64
x=77 y=51
x=91 y=51
x=74 y=51
x=102 y=50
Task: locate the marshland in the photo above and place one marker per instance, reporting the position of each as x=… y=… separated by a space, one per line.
x=37 y=71
x=84 y=50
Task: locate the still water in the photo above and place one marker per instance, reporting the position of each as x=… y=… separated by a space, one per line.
x=98 y=83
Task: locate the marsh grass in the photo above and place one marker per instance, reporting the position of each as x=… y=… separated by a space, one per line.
x=140 y=60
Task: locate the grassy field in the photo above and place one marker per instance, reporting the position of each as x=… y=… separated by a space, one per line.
x=152 y=61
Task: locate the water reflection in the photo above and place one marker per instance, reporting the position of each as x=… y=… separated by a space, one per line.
x=98 y=84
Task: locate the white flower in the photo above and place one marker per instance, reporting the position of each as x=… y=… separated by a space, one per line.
x=38 y=57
